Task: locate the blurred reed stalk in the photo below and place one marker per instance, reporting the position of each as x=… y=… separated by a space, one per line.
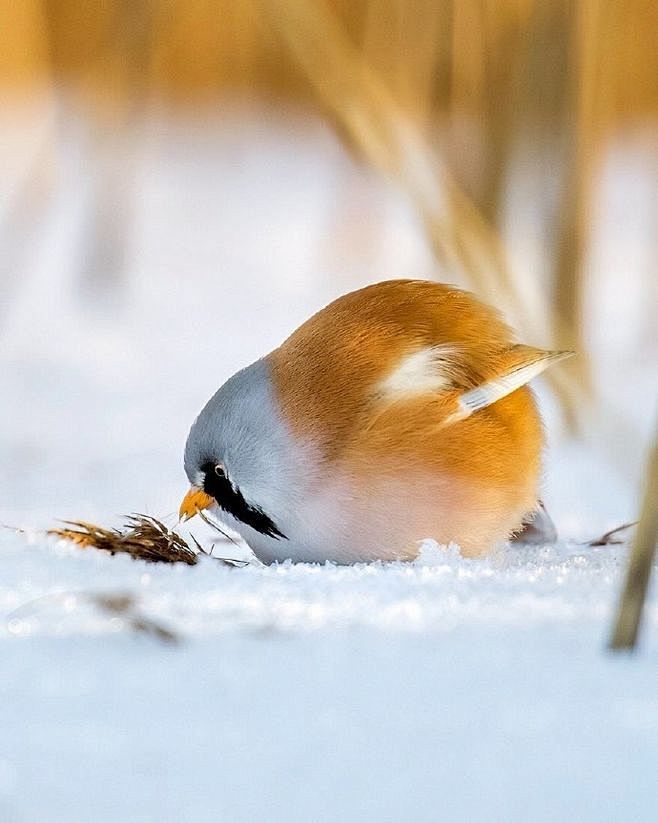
x=381 y=129
x=631 y=605
x=583 y=118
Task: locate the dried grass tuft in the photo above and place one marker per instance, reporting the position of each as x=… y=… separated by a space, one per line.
x=142 y=537
x=145 y=538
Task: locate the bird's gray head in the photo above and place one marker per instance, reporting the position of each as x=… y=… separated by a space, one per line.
x=240 y=452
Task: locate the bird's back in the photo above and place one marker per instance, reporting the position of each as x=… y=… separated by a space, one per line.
x=325 y=372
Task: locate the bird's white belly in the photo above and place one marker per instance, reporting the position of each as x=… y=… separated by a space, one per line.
x=323 y=537
x=344 y=524
x=326 y=530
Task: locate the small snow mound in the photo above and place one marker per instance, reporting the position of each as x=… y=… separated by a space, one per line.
x=431 y=553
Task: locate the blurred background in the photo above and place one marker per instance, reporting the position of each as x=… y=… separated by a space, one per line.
x=182 y=183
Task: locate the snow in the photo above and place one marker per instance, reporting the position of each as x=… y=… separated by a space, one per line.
x=447 y=689
x=443 y=689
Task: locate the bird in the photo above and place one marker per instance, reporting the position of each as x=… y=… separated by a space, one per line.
x=398 y=413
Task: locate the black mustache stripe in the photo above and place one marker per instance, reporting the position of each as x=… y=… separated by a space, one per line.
x=231 y=501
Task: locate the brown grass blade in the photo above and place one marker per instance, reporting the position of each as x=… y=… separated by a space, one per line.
x=611 y=538
x=126 y=606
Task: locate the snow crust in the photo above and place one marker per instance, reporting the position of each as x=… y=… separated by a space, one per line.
x=444 y=689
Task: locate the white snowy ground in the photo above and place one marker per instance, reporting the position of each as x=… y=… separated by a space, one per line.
x=447 y=689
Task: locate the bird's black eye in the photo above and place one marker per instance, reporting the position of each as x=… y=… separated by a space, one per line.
x=229 y=498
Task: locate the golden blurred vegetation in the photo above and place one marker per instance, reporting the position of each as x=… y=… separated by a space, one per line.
x=433 y=55
x=437 y=94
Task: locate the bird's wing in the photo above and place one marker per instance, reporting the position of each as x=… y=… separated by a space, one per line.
x=450 y=368
x=516 y=367
x=456 y=386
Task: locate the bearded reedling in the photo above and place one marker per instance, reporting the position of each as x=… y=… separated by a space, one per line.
x=397 y=413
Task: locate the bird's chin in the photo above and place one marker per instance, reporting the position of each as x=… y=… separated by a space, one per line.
x=267 y=549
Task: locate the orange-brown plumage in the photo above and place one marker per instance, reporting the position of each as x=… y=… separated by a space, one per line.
x=399 y=412
x=325 y=370
x=488 y=465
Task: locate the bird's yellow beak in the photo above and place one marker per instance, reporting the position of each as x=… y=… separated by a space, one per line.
x=194 y=501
